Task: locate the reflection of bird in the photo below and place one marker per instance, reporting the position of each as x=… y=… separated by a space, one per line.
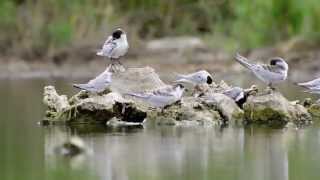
x=98 y=84
x=161 y=97
x=274 y=73
x=196 y=78
x=115 y=46
x=238 y=94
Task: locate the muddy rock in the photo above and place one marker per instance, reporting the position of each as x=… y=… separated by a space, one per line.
x=98 y=109
x=226 y=107
x=314 y=110
x=188 y=111
x=206 y=106
x=85 y=107
x=136 y=80
x=54 y=101
x=274 y=109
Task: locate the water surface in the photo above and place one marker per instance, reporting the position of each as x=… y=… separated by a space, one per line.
x=148 y=152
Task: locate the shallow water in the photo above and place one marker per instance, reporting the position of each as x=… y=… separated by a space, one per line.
x=148 y=152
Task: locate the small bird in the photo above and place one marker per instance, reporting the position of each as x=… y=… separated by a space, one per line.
x=275 y=72
x=312 y=86
x=239 y=95
x=235 y=93
x=196 y=78
x=115 y=46
x=98 y=84
x=162 y=97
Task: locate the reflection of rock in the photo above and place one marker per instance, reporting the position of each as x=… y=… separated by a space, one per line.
x=274 y=109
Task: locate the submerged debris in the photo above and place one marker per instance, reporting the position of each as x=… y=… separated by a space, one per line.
x=73 y=147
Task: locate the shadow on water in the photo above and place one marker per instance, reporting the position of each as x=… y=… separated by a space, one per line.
x=149 y=152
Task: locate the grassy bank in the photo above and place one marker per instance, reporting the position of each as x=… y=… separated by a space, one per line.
x=38 y=28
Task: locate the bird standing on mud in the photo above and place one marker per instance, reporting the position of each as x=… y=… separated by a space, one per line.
x=196 y=78
x=312 y=86
x=160 y=98
x=115 y=46
x=98 y=84
x=275 y=72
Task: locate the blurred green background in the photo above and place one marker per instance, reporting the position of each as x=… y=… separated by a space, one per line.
x=39 y=27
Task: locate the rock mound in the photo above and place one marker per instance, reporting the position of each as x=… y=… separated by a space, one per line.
x=208 y=105
x=274 y=109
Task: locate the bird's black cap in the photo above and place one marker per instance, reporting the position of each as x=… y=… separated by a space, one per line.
x=117 y=33
x=209 y=80
x=179 y=85
x=274 y=61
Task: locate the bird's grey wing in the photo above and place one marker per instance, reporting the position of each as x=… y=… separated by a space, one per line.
x=244 y=61
x=311 y=84
x=84 y=87
x=166 y=92
x=234 y=93
x=139 y=95
x=270 y=68
x=251 y=66
x=102 y=78
x=108 y=46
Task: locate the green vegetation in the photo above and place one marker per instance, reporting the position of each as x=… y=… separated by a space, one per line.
x=40 y=27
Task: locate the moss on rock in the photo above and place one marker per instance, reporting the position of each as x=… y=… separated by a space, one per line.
x=314 y=110
x=274 y=109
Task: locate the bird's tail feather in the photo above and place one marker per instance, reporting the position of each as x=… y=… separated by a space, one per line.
x=80 y=86
x=138 y=95
x=243 y=61
x=99 y=53
x=181 y=78
x=304 y=85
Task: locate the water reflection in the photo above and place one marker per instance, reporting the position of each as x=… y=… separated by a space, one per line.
x=159 y=152
x=149 y=152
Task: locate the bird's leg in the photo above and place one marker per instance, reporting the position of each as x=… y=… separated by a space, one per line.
x=113 y=69
x=118 y=60
x=121 y=67
x=270 y=88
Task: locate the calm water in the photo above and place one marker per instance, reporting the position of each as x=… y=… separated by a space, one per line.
x=149 y=152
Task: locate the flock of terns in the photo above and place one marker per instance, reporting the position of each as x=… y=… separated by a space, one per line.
x=117 y=46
